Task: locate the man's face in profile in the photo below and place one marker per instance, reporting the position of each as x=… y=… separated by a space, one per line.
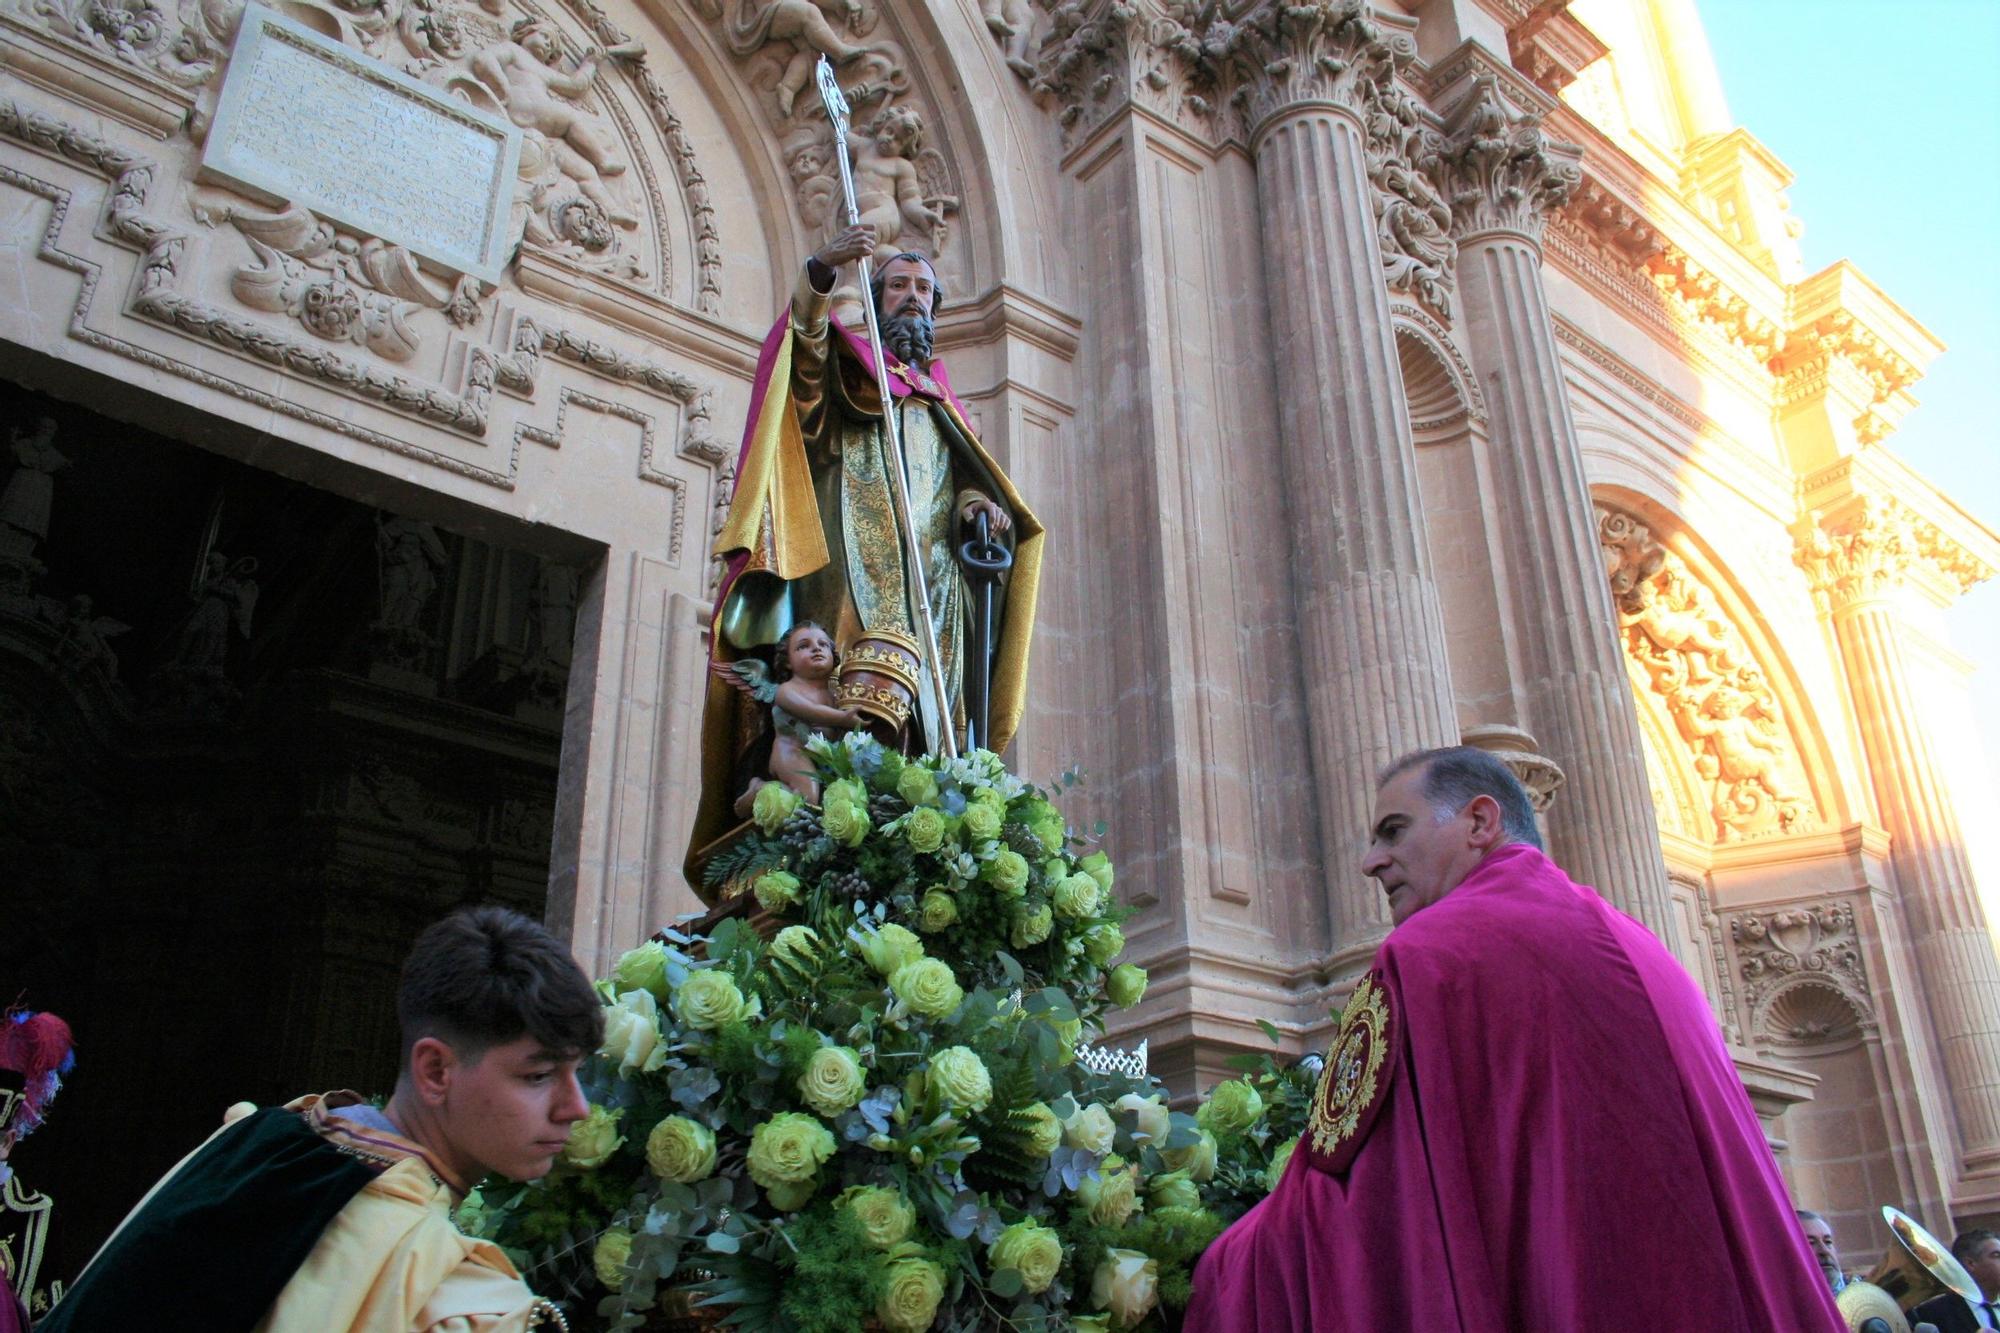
x=509 y=1111
x=1415 y=856
x=1819 y=1239
x=1984 y=1265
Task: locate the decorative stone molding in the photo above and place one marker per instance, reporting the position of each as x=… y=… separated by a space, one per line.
x=1552 y=46
x=1094 y=56
x=1286 y=52
x=1412 y=219
x=1803 y=973
x=159 y=297
x=1439 y=384
x=1873 y=546
x=1836 y=342
x=1685 y=651
x=1703 y=296
x=1498 y=170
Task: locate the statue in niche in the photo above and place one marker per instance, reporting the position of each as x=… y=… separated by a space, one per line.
x=223 y=595
x=410 y=556
x=525 y=74
x=797 y=692
x=30 y=495
x=85 y=646
x=552 y=613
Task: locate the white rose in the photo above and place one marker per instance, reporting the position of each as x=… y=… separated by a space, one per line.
x=1152 y=1112
x=632 y=1034
x=1127 y=1284
x=1090 y=1129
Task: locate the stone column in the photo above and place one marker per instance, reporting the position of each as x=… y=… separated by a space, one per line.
x=1501 y=175
x=1370 y=629
x=1858 y=564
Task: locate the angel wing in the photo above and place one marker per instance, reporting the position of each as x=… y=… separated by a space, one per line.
x=750 y=676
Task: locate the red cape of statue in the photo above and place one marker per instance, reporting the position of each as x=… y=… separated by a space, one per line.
x=1561 y=1145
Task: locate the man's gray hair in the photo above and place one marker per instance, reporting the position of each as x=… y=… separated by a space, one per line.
x=1808 y=1215
x=1455 y=774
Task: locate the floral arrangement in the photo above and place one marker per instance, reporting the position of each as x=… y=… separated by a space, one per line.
x=876 y=1117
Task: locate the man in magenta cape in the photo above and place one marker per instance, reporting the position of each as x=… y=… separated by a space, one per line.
x=1527 y=1121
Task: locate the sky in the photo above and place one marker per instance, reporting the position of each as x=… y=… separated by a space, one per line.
x=1889 y=113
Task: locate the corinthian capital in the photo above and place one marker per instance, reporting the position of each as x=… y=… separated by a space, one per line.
x=1498 y=170
x=1098 y=56
x=1285 y=52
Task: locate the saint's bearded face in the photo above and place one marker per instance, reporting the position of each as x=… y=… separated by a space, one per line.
x=908 y=297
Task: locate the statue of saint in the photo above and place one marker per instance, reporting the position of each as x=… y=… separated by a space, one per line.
x=813 y=532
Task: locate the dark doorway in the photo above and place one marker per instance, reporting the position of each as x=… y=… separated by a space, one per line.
x=253 y=737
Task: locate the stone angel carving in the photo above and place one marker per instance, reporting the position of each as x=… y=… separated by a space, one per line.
x=798 y=691
x=901 y=186
x=799 y=32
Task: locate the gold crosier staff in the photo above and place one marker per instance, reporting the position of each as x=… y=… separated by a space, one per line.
x=838 y=111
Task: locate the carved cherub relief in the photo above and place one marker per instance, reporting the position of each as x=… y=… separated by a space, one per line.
x=798 y=33
x=525 y=75
x=900 y=186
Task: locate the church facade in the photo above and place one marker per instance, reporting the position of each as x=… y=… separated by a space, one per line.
x=1385 y=376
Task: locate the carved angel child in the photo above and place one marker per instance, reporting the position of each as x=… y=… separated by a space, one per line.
x=801 y=702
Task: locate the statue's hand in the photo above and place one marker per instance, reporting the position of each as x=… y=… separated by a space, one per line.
x=997 y=520
x=856 y=242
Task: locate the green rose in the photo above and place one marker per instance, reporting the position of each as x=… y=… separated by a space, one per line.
x=925 y=829
x=1197 y=1159
x=928 y=986
x=1031 y=927
x=844 y=791
x=833 y=1081
x=1125 y=985
x=790 y=1198
x=1173 y=1189
x=910 y=1294
x=1069 y=1031
x=1091 y=1129
x=1113 y=1197
x=1045 y=1132
x=981 y=821
x=1032 y=1250
x=1152 y=1121
x=775 y=804
x=1098 y=866
x=797 y=945
x=632 y=1034
x=609 y=1257
x=1127 y=1284
x=937 y=911
x=1008 y=873
x=845 y=822
x=788 y=1148
x=1103 y=942
x=888 y=947
x=593 y=1139
x=1090 y=1323
x=1276 y=1170
x=917 y=785
x=643 y=968
x=1077 y=897
x=1231 y=1108
x=1045 y=822
x=776 y=890
x=708 y=999
x=886 y=1217
x=681 y=1150
x=960 y=1079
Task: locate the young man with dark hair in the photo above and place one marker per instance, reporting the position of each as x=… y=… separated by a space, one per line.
x=1979 y=1251
x=1527 y=1119
x=327 y=1215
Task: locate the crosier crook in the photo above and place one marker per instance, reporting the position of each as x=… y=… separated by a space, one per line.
x=837 y=111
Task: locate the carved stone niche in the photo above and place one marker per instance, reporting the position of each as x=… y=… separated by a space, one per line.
x=1803 y=975
x=1516 y=749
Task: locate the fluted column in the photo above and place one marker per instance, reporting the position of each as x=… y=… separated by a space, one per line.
x=1501 y=175
x=1370 y=627
x=1857 y=565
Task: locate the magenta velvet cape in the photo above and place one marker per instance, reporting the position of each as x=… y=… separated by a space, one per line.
x=1565 y=1148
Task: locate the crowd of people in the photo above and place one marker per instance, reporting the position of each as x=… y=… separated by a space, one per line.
x=1977 y=1249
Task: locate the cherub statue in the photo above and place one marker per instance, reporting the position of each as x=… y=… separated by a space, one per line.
x=890 y=189
x=525 y=74
x=224 y=595
x=85 y=644
x=797 y=690
x=808 y=25
x=1013 y=22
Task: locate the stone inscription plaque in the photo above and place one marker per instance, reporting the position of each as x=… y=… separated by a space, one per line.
x=306 y=119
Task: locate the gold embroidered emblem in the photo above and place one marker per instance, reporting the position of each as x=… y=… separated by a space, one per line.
x=1355 y=1081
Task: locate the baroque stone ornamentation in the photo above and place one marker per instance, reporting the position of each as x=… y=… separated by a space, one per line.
x=1413 y=221
x=1093 y=56
x=1703 y=296
x=1684 y=650
x=135 y=32
x=1839 y=345
x=901 y=185
x=1803 y=973
x=1498 y=169
x=1873 y=548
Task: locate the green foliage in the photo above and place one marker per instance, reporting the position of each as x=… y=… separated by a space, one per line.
x=832 y=1283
